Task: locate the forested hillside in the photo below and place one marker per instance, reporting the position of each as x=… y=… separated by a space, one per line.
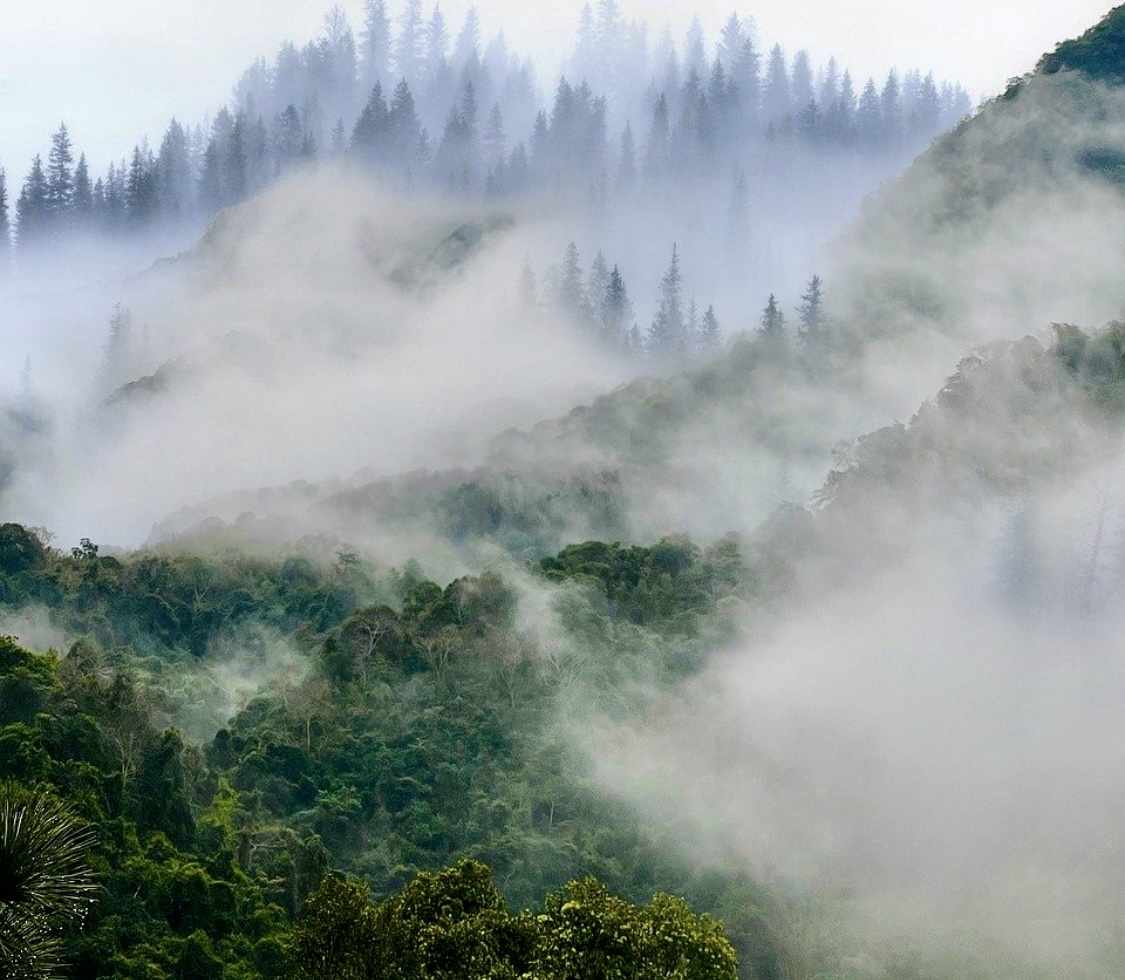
x=465 y=560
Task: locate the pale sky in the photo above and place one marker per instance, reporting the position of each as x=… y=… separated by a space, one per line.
x=118 y=70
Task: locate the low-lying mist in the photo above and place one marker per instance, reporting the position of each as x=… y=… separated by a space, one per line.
x=320 y=329
x=927 y=733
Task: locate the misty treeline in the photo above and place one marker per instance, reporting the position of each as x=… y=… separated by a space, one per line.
x=389 y=726
x=729 y=135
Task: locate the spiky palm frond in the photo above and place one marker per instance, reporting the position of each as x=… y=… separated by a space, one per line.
x=45 y=882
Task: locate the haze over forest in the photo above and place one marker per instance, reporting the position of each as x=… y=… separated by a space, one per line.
x=426 y=484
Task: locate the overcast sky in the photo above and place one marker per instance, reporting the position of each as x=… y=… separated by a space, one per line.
x=117 y=70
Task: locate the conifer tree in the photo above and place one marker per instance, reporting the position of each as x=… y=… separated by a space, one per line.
x=571 y=294
x=287 y=136
x=141 y=188
x=371 y=129
x=813 y=325
x=656 y=153
x=402 y=122
x=709 y=332
x=5 y=225
x=174 y=172
x=666 y=334
x=494 y=136
x=408 y=49
x=597 y=281
x=467 y=46
x=772 y=323
x=376 y=44
x=776 y=99
x=730 y=41
x=437 y=42
x=83 y=199
x=33 y=206
x=616 y=310
x=60 y=178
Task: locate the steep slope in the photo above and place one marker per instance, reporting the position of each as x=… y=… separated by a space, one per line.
x=1016 y=217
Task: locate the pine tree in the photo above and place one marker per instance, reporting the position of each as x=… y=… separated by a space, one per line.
x=494 y=136
x=408 y=49
x=402 y=121
x=616 y=310
x=571 y=295
x=709 y=333
x=5 y=227
x=210 y=181
x=746 y=74
x=691 y=328
x=890 y=103
x=730 y=41
x=118 y=349
x=656 y=153
x=141 y=192
x=813 y=328
x=33 y=207
x=369 y=137
x=376 y=41
x=287 y=137
x=466 y=49
x=776 y=99
x=437 y=42
x=869 y=116
x=83 y=199
x=174 y=173
x=597 y=281
x=666 y=334
x=772 y=320
x=60 y=179
x=801 y=91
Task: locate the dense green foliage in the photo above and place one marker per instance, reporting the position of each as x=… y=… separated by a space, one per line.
x=1099 y=53
x=420 y=725
x=455 y=924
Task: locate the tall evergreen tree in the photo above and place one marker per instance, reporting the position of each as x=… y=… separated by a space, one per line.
x=813 y=327
x=5 y=227
x=33 y=206
x=466 y=49
x=776 y=99
x=437 y=43
x=174 y=175
x=82 y=202
x=402 y=121
x=408 y=48
x=369 y=136
x=375 y=60
x=60 y=178
x=571 y=296
x=666 y=334
x=710 y=335
x=141 y=191
x=772 y=322
x=656 y=152
x=616 y=310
